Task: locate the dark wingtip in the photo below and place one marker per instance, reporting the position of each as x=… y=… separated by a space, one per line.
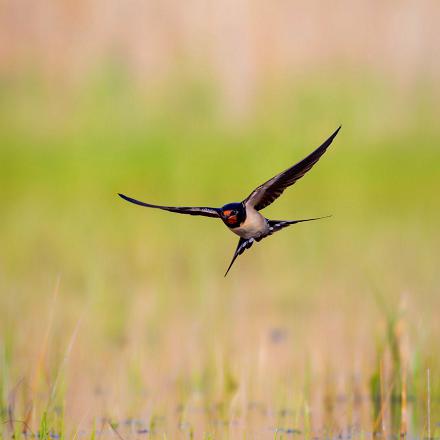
x=336 y=132
x=128 y=199
x=328 y=142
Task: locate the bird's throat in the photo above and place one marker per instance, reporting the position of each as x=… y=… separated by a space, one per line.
x=232 y=220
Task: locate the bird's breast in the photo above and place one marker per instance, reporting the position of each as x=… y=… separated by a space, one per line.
x=254 y=226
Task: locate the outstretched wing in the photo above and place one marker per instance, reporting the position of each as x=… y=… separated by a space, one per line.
x=190 y=210
x=269 y=191
x=243 y=244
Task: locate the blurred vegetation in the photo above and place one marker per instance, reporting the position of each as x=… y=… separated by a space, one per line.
x=143 y=321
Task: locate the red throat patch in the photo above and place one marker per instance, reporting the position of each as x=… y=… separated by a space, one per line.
x=231 y=220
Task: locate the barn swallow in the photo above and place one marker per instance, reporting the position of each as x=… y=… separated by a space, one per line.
x=244 y=218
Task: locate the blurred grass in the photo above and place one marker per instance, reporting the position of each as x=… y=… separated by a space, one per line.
x=158 y=326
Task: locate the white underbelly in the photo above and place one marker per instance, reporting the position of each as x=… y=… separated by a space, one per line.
x=254 y=226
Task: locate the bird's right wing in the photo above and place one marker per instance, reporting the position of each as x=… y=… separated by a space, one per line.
x=190 y=210
x=243 y=244
x=269 y=191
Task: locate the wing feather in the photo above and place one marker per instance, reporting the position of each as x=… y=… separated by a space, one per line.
x=190 y=210
x=269 y=191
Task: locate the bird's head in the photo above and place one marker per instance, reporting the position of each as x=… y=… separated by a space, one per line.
x=233 y=214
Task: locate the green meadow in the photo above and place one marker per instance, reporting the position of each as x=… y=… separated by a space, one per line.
x=116 y=321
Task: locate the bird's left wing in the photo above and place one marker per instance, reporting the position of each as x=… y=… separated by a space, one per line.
x=190 y=210
x=269 y=191
x=243 y=244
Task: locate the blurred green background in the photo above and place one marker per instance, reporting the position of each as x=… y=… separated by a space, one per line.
x=197 y=104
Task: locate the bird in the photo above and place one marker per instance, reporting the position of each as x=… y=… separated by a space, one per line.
x=244 y=218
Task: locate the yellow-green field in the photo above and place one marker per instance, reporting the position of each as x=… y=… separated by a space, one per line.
x=116 y=321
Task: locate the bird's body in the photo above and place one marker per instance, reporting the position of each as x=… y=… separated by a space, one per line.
x=244 y=218
x=254 y=226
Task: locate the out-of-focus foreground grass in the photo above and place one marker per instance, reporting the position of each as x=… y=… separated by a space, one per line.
x=113 y=313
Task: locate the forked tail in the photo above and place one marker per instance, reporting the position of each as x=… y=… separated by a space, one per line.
x=276 y=225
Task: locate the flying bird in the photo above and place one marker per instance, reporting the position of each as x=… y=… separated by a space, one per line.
x=244 y=218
